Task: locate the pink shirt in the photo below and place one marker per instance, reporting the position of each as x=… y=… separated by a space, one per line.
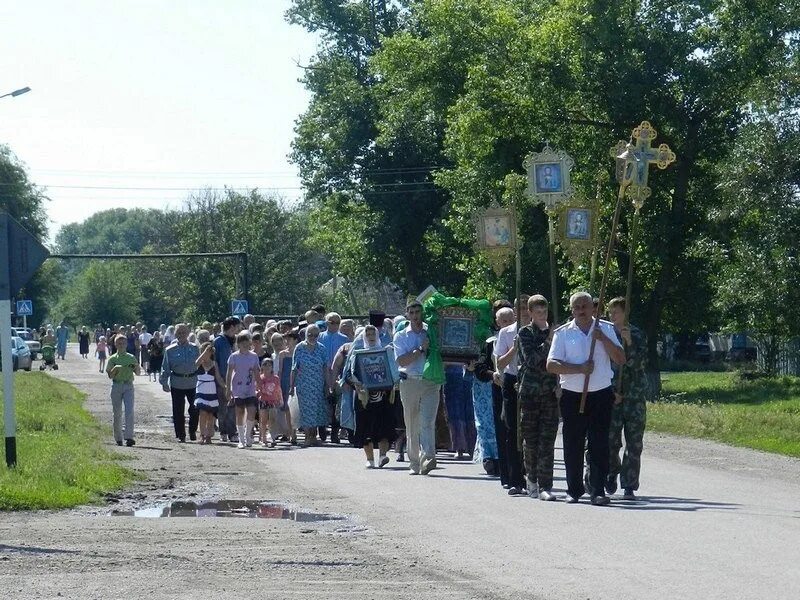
x=269 y=390
x=241 y=366
x=101 y=346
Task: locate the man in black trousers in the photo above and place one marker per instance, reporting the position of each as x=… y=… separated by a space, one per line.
x=569 y=359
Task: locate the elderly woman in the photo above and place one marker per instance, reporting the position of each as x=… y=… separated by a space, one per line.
x=83 y=342
x=309 y=380
x=373 y=408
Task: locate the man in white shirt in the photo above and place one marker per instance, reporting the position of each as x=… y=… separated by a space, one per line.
x=419 y=396
x=569 y=359
x=505 y=354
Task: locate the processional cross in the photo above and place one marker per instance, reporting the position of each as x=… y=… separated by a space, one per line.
x=633 y=168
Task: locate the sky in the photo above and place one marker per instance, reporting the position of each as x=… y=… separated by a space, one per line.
x=139 y=103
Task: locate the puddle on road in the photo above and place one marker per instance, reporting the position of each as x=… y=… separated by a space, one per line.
x=240 y=509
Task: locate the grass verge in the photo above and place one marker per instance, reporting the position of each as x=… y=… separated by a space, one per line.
x=763 y=414
x=61 y=461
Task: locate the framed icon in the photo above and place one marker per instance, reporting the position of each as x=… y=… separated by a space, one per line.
x=549 y=176
x=578 y=224
x=373 y=370
x=456 y=331
x=496 y=235
x=577 y=231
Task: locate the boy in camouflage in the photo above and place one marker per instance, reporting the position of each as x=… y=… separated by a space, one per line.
x=629 y=413
x=537 y=399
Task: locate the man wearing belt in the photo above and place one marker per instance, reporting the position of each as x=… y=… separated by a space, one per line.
x=420 y=397
x=179 y=377
x=569 y=359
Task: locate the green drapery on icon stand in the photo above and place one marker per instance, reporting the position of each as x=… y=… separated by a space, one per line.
x=434 y=366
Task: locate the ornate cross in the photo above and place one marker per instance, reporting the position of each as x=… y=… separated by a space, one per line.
x=634 y=159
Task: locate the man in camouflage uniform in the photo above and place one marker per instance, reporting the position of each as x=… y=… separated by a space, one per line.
x=537 y=400
x=630 y=406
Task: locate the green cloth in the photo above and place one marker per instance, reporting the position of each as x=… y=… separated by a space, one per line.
x=434 y=367
x=127 y=362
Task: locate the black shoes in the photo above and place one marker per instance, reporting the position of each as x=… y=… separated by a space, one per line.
x=128 y=443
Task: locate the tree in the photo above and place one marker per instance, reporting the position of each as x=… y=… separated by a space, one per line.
x=375 y=208
x=582 y=74
x=104 y=292
x=757 y=256
x=283 y=272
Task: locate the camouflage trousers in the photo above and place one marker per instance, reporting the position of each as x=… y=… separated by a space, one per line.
x=630 y=417
x=538 y=428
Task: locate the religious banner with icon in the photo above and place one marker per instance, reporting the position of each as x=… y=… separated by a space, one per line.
x=496 y=231
x=549 y=176
x=457 y=332
x=577 y=231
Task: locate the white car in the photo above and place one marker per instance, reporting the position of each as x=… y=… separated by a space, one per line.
x=20 y=354
x=27 y=335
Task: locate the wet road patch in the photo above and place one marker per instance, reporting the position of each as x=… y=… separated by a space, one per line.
x=238 y=509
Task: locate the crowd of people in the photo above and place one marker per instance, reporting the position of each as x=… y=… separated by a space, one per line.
x=240 y=379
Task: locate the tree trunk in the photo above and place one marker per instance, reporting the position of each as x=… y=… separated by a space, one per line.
x=675 y=243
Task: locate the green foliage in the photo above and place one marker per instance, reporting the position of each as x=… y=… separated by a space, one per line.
x=283 y=272
x=462 y=90
x=105 y=292
x=19 y=197
x=61 y=459
x=763 y=414
x=759 y=265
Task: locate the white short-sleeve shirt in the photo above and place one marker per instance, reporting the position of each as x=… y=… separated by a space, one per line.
x=571 y=345
x=505 y=342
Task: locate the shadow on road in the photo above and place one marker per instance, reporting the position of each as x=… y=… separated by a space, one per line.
x=671 y=503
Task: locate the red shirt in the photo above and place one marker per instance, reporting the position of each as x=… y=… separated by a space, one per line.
x=269 y=390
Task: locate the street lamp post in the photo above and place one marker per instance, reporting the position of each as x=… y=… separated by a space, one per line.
x=18 y=92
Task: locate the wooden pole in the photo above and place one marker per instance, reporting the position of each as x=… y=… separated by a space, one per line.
x=555 y=300
x=593 y=264
x=628 y=289
x=606 y=269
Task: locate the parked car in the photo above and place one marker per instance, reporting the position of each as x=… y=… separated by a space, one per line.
x=27 y=335
x=20 y=354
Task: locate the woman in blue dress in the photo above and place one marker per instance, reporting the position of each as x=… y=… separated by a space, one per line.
x=310 y=382
x=62 y=337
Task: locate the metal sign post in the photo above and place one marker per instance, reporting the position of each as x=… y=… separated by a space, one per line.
x=20 y=256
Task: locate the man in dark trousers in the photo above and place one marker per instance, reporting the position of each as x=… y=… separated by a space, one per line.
x=569 y=359
x=224 y=346
x=179 y=378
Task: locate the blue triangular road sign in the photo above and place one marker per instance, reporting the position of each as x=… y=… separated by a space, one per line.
x=25 y=255
x=239 y=307
x=24 y=308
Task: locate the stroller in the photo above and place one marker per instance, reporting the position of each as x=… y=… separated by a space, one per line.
x=48 y=358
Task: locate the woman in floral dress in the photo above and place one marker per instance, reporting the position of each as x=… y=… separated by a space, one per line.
x=310 y=381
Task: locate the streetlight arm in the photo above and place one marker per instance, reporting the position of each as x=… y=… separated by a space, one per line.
x=18 y=92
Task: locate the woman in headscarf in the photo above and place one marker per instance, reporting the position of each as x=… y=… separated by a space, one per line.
x=62 y=337
x=310 y=382
x=373 y=408
x=340 y=369
x=83 y=342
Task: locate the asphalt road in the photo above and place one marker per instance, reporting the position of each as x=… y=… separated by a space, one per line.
x=712 y=522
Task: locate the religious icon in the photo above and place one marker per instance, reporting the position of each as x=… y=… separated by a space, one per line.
x=577 y=223
x=548 y=178
x=373 y=369
x=456 y=334
x=496 y=236
x=577 y=233
x=498 y=232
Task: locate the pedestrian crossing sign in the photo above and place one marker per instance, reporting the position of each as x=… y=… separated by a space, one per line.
x=24 y=308
x=239 y=307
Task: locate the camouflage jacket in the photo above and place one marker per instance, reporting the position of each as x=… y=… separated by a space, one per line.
x=532 y=348
x=635 y=383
